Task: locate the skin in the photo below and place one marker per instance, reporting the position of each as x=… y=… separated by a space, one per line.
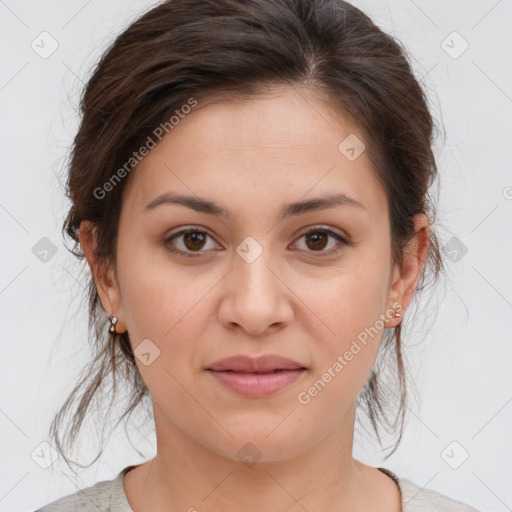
x=295 y=300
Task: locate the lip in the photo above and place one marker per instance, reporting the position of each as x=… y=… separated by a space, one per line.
x=256 y=376
x=248 y=364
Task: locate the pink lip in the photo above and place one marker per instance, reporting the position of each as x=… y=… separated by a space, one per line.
x=256 y=377
x=256 y=384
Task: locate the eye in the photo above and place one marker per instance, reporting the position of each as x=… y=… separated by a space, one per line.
x=316 y=239
x=192 y=240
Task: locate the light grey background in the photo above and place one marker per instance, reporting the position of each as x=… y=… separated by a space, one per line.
x=461 y=364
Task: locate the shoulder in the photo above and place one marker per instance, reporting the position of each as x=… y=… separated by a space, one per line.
x=416 y=499
x=94 y=498
x=103 y=496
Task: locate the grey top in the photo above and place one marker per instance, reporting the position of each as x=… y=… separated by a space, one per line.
x=109 y=496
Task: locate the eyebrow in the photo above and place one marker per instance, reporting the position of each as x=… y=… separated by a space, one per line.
x=203 y=205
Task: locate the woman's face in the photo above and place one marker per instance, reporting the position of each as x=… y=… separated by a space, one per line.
x=251 y=282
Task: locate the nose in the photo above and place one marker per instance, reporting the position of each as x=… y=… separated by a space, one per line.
x=256 y=298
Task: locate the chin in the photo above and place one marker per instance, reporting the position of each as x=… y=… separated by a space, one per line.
x=253 y=445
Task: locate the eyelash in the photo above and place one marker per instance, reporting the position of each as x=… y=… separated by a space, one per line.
x=343 y=241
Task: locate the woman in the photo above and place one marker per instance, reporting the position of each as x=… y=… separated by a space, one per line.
x=249 y=186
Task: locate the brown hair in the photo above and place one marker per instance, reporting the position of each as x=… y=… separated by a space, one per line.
x=189 y=48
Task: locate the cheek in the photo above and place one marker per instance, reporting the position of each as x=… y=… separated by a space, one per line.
x=350 y=306
x=163 y=307
x=351 y=300
x=157 y=297
x=169 y=307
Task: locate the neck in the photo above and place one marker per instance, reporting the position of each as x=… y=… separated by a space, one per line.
x=186 y=475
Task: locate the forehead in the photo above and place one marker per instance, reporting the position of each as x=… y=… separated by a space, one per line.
x=273 y=148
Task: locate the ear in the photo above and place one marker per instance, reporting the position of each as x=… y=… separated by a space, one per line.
x=103 y=273
x=405 y=277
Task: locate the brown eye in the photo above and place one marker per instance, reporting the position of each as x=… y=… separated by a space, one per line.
x=317 y=239
x=188 y=241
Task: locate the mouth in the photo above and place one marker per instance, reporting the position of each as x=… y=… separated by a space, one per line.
x=255 y=377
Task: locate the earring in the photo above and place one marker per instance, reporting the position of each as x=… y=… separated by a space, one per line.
x=113 y=322
x=398 y=315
